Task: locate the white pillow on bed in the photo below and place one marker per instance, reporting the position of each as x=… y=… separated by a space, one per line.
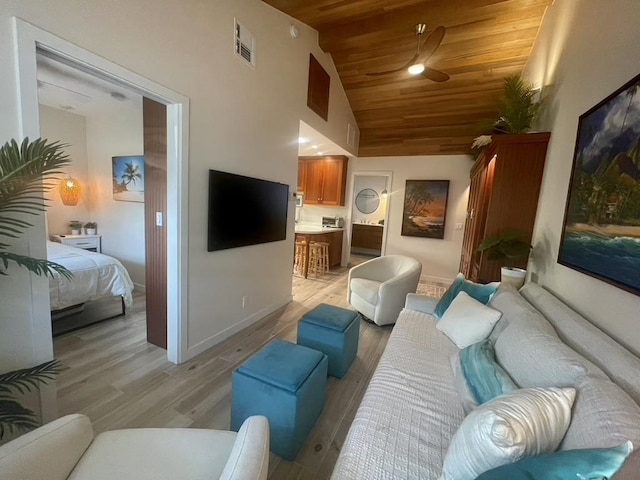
x=521 y=423
x=467 y=321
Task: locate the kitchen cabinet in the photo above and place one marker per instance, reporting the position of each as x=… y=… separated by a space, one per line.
x=503 y=196
x=333 y=238
x=367 y=237
x=323 y=180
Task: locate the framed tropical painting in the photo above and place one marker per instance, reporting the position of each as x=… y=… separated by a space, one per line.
x=128 y=178
x=601 y=234
x=425 y=208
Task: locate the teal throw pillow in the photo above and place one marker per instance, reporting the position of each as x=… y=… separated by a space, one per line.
x=485 y=379
x=596 y=463
x=480 y=292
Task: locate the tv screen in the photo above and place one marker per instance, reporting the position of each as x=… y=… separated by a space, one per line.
x=245 y=211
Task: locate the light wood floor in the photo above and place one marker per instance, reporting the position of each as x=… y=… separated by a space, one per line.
x=120 y=381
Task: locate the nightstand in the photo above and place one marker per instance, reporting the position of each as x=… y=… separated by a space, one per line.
x=92 y=243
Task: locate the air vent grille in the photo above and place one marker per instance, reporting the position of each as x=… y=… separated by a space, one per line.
x=245 y=44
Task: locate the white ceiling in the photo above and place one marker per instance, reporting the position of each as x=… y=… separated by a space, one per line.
x=67 y=88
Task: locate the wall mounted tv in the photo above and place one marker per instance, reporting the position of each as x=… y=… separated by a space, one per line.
x=245 y=211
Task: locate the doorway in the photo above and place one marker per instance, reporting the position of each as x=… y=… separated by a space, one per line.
x=32 y=40
x=369 y=213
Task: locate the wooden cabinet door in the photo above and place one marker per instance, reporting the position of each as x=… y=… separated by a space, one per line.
x=302 y=173
x=333 y=180
x=313 y=181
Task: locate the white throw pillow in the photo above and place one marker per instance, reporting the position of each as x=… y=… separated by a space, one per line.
x=514 y=425
x=467 y=321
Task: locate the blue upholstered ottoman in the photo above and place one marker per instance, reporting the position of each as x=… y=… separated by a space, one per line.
x=286 y=383
x=335 y=332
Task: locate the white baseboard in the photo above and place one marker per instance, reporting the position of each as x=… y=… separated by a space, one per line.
x=204 y=345
x=432 y=279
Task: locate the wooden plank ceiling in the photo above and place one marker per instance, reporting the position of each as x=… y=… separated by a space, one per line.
x=400 y=114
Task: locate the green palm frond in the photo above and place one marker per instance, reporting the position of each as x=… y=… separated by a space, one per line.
x=517 y=107
x=26 y=172
x=26 y=379
x=36 y=265
x=14 y=417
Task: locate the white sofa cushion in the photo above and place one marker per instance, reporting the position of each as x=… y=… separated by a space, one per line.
x=467 y=321
x=47 y=453
x=588 y=340
x=156 y=454
x=366 y=289
x=603 y=416
x=514 y=425
x=410 y=410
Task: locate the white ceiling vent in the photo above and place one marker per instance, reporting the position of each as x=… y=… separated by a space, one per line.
x=245 y=44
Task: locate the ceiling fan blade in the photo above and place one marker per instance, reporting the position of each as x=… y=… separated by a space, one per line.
x=435 y=75
x=387 y=72
x=432 y=43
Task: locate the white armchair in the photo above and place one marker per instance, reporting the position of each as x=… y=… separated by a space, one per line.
x=66 y=449
x=378 y=288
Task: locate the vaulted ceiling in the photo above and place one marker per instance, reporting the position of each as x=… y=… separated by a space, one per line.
x=400 y=114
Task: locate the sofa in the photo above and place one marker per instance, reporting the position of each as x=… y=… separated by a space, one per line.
x=412 y=407
x=66 y=449
x=377 y=288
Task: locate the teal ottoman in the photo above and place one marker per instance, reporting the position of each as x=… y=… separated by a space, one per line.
x=334 y=331
x=286 y=383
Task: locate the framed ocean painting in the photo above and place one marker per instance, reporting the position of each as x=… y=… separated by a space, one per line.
x=425 y=208
x=128 y=178
x=601 y=234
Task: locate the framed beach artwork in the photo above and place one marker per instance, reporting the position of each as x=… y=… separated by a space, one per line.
x=601 y=235
x=128 y=178
x=425 y=208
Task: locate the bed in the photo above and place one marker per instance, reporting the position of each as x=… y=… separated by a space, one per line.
x=95 y=276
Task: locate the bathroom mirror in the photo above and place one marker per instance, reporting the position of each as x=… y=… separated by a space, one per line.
x=367 y=201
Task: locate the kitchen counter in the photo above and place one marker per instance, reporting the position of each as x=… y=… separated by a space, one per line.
x=315 y=230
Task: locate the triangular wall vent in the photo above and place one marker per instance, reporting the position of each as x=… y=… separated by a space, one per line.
x=245 y=44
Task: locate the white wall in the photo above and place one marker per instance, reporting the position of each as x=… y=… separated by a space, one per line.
x=69 y=128
x=242 y=120
x=440 y=258
x=117 y=132
x=584 y=52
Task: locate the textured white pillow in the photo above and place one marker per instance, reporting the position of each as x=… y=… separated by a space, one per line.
x=467 y=321
x=514 y=425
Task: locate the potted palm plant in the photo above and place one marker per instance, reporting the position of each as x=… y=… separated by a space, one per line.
x=27 y=171
x=510 y=248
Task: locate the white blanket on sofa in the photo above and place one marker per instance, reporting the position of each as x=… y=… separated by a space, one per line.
x=410 y=411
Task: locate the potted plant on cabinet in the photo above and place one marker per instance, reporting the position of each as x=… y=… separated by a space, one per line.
x=76 y=227
x=90 y=228
x=510 y=248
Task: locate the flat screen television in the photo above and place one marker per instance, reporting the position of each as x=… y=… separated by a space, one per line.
x=245 y=211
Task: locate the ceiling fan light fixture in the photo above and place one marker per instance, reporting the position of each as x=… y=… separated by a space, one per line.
x=416 y=68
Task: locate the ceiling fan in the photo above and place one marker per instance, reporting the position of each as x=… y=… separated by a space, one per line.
x=416 y=65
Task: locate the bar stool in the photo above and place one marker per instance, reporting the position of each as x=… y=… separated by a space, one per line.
x=300 y=258
x=318 y=258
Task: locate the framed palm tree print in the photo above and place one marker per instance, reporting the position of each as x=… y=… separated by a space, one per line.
x=128 y=178
x=425 y=208
x=601 y=235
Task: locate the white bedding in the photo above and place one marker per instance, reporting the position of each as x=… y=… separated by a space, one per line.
x=95 y=276
x=410 y=410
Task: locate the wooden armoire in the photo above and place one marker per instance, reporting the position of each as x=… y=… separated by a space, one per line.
x=503 y=196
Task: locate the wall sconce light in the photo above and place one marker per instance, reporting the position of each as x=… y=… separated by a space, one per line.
x=384 y=192
x=70 y=191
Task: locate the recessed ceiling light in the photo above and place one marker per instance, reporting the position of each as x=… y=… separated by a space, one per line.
x=315 y=147
x=319 y=153
x=302 y=140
